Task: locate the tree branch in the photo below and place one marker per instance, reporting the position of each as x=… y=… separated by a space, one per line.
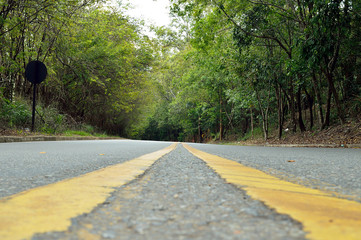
x=252 y=34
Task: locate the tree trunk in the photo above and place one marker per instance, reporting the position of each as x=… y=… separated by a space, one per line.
x=310 y=105
x=264 y=124
x=252 y=127
x=280 y=110
x=199 y=130
x=265 y=127
x=340 y=113
x=318 y=96
x=299 y=107
x=292 y=106
x=220 y=120
x=264 y=114
x=229 y=116
x=328 y=109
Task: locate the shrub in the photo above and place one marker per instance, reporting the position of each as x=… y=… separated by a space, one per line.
x=15 y=114
x=50 y=121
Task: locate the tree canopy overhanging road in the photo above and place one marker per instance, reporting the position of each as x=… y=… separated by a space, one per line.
x=123 y=189
x=222 y=70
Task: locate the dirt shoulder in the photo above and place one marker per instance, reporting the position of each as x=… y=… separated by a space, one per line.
x=344 y=136
x=7 y=135
x=347 y=135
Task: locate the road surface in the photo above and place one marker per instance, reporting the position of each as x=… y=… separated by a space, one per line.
x=122 y=189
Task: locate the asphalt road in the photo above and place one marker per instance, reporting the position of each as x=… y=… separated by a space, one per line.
x=31 y=164
x=179 y=196
x=329 y=169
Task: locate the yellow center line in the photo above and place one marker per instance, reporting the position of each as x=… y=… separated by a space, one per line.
x=323 y=216
x=51 y=207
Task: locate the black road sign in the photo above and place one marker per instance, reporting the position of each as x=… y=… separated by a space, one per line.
x=35 y=72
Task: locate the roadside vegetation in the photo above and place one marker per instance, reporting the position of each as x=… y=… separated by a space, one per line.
x=280 y=67
x=15 y=119
x=225 y=70
x=97 y=62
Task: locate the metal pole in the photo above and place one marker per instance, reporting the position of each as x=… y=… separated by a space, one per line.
x=34 y=103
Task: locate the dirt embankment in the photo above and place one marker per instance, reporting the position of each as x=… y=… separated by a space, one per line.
x=341 y=135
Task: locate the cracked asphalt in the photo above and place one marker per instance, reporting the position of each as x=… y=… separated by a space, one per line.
x=180 y=198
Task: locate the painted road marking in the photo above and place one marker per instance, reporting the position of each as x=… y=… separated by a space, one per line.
x=322 y=215
x=51 y=207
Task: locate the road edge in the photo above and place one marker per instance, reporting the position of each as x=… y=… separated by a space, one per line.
x=11 y=139
x=308 y=145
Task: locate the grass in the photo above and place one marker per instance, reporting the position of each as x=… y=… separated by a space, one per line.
x=257 y=133
x=72 y=133
x=15 y=119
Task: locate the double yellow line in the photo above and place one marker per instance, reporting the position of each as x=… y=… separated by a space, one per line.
x=323 y=216
x=50 y=208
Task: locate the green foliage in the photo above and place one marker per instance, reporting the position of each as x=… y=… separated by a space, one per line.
x=257 y=133
x=109 y=59
x=15 y=114
x=264 y=62
x=231 y=67
x=77 y=133
x=18 y=115
x=84 y=130
x=355 y=106
x=97 y=60
x=49 y=120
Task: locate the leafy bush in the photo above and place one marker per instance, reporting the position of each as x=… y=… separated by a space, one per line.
x=15 y=114
x=257 y=133
x=18 y=115
x=75 y=132
x=354 y=107
x=50 y=121
x=88 y=128
x=83 y=133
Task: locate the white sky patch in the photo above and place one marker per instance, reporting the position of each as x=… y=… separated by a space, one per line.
x=152 y=11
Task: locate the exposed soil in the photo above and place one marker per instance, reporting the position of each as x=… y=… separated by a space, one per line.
x=342 y=135
x=11 y=132
x=339 y=135
x=21 y=133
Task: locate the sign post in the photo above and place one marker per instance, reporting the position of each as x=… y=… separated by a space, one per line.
x=35 y=72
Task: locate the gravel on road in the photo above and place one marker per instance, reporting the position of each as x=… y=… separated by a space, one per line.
x=179 y=197
x=28 y=165
x=328 y=169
